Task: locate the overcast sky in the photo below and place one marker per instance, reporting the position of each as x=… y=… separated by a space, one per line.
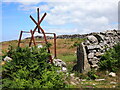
x=63 y=16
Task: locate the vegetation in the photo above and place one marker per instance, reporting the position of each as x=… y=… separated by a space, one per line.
x=30 y=73
x=111 y=59
x=29 y=69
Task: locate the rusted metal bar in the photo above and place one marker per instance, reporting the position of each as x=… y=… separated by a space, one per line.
x=55 y=54
x=33 y=37
x=39 y=28
x=20 y=38
x=51 y=60
x=38 y=17
x=55 y=50
x=25 y=32
x=36 y=28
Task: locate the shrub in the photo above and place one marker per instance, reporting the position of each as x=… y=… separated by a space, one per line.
x=111 y=59
x=29 y=69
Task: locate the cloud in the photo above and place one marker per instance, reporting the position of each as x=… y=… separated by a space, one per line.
x=63 y=31
x=85 y=16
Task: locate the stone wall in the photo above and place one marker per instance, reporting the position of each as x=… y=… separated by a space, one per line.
x=90 y=51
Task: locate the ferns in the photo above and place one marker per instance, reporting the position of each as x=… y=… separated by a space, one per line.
x=29 y=69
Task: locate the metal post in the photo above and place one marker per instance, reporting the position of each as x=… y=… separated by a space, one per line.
x=38 y=17
x=32 y=38
x=55 y=46
x=20 y=38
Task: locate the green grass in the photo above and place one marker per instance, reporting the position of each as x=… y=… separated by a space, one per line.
x=70 y=60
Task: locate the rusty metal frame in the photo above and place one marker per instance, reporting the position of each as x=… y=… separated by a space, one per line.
x=40 y=31
x=55 y=52
x=21 y=33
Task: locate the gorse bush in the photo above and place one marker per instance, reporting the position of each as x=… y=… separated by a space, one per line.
x=111 y=59
x=29 y=68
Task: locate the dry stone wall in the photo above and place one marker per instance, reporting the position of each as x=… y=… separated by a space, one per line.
x=90 y=51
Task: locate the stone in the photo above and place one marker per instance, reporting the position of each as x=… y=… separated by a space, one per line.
x=7 y=59
x=72 y=74
x=98 y=54
x=92 y=39
x=64 y=69
x=83 y=79
x=77 y=78
x=72 y=83
x=99 y=79
x=58 y=62
x=90 y=47
x=114 y=86
x=102 y=36
x=112 y=74
x=94 y=51
x=87 y=42
x=113 y=82
x=94 y=66
x=90 y=55
x=107 y=38
x=40 y=46
x=93 y=47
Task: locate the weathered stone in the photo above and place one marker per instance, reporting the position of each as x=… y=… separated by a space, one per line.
x=112 y=74
x=87 y=42
x=94 y=66
x=95 y=58
x=94 y=62
x=92 y=39
x=99 y=79
x=93 y=47
x=39 y=46
x=7 y=59
x=82 y=61
x=113 y=82
x=103 y=33
x=101 y=36
x=118 y=32
x=90 y=55
x=72 y=74
x=94 y=51
x=98 y=54
x=107 y=38
x=64 y=69
x=58 y=62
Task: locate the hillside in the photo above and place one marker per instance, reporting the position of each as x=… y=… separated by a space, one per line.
x=66 y=51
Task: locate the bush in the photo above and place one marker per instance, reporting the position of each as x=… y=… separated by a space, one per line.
x=111 y=59
x=29 y=69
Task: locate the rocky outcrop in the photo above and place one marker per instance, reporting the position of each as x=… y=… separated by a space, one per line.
x=90 y=51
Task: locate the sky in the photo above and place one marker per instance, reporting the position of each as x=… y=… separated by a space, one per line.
x=63 y=16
